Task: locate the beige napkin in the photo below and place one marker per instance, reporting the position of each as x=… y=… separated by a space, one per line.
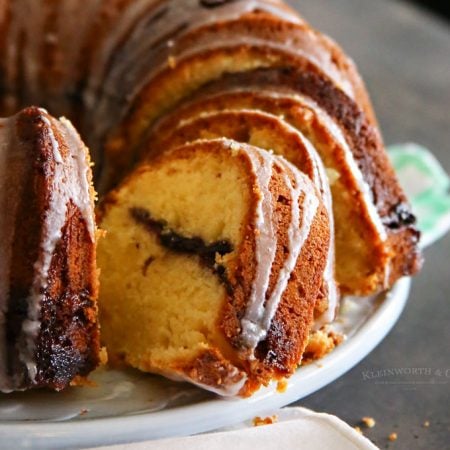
x=297 y=428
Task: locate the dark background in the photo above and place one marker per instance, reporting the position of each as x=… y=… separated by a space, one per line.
x=439 y=7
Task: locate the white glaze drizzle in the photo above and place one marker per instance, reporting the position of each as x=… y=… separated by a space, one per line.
x=260 y=310
x=298 y=232
x=265 y=249
x=70 y=184
x=320 y=180
x=329 y=275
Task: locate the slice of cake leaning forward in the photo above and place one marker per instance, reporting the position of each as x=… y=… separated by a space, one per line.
x=211 y=266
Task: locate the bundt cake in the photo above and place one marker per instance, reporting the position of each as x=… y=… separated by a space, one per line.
x=227 y=245
x=159 y=84
x=48 y=320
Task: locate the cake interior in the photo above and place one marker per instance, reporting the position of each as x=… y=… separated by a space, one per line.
x=177 y=225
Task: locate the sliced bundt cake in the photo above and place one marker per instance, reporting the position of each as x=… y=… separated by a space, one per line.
x=48 y=278
x=142 y=78
x=225 y=248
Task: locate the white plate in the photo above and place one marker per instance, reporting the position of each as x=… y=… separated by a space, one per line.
x=130 y=406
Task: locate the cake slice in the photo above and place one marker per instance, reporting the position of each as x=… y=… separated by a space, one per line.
x=48 y=278
x=211 y=266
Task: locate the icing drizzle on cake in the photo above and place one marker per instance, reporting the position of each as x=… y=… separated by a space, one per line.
x=261 y=308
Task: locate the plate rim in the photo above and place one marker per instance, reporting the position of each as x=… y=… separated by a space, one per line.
x=218 y=412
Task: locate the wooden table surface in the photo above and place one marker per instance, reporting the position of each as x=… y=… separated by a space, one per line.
x=404 y=56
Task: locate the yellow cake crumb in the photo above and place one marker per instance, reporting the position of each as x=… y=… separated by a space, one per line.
x=393 y=437
x=369 y=422
x=426 y=424
x=319 y=344
x=358 y=429
x=259 y=421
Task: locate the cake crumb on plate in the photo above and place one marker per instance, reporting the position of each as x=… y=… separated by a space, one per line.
x=259 y=421
x=369 y=422
x=393 y=437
